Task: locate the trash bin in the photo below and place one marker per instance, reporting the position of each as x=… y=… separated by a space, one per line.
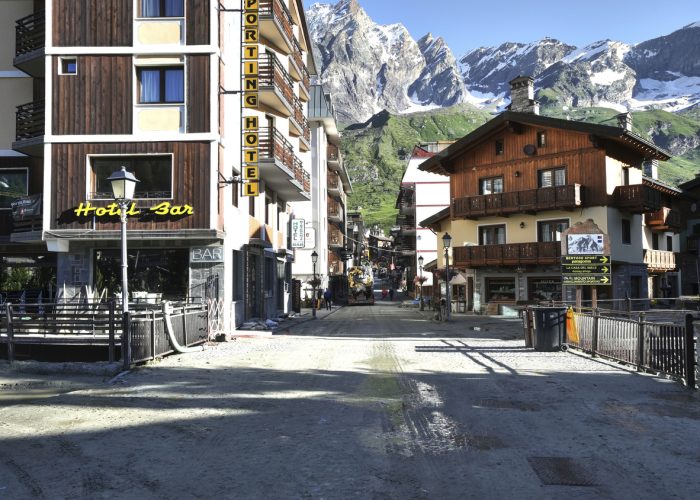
x=550 y=328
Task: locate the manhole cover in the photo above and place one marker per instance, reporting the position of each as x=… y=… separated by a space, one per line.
x=561 y=471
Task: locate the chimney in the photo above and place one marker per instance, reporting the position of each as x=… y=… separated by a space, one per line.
x=624 y=121
x=522 y=95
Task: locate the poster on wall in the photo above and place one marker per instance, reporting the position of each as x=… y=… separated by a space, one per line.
x=585 y=244
x=298 y=233
x=309 y=236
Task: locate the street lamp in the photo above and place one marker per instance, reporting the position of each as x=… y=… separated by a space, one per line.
x=314 y=259
x=446 y=241
x=420 y=279
x=123 y=186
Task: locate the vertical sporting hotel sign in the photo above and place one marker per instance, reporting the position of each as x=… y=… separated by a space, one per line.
x=250 y=125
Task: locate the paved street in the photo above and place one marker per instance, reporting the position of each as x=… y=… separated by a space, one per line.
x=366 y=402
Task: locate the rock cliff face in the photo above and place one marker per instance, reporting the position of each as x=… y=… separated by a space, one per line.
x=368 y=67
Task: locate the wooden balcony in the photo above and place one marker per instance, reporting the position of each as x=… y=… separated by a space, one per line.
x=335 y=211
x=276 y=87
x=29 y=126
x=336 y=239
x=510 y=254
x=659 y=260
x=533 y=200
x=276 y=25
x=333 y=156
x=663 y=220
x=335 y=186
x=30 y=41
x=299 y=125
x=637 y=198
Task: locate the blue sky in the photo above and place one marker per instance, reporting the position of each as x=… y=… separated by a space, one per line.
x=466 y=24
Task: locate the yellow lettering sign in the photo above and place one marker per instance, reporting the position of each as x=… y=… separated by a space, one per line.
x=250 y=140
x=250 y=35
x=251 y=19
x=251 y=5
x=250 y=156
x=250 y=123
x=166 y=208
x=250 y=52
x=250 y=68
x=250 y=100
x=251 y=173
x=251 y=189
x=250 y=84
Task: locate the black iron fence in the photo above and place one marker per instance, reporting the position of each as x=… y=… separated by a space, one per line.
x=100 y=324
x=667 y=348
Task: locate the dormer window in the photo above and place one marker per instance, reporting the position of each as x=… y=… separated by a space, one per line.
x=499 y=146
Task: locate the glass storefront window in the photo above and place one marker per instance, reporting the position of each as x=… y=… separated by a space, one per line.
x=544 y=289
x=500 y=289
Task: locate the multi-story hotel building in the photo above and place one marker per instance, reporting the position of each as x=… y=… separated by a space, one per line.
x=520 y=180
x=204 y=102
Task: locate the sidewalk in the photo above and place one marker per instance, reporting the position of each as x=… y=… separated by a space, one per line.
x=305 y=315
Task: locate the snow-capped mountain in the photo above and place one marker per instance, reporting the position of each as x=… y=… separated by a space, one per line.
x=369 y=67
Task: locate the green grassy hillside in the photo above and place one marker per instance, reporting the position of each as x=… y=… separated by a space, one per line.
x=375 y=151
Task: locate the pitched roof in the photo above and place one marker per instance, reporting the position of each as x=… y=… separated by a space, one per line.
x=437 y=163
x=436 y=217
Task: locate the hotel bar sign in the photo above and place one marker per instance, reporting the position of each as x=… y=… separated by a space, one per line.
x=298 y=236
x=251 y=126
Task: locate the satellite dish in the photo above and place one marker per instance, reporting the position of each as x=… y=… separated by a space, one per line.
x=530 y=149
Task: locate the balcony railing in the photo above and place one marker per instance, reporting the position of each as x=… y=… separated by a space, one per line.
x=637 y=198
x=296 y=62
x=276 y=24
x=30 y=120
x=534 y=200
x=274 y=146
x=300 y=122
x=334 y=183
x=510 y=254
x=664 y=219
x=336 y=239
x=660 y=260
x=305 y=84
x=335 y=212
x=30 y=34
x=273 y=77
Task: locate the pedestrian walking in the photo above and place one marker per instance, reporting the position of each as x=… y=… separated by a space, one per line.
x=391 y=293
x=384 y=293
x=327 y=297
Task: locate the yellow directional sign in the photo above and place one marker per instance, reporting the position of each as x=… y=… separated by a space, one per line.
x=251 y=173
x=585 y=259
x=591 y=279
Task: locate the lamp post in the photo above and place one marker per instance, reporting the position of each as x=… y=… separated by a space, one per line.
x=314 y=259
x=420 y=279
x=123 y=186
x=446 y=241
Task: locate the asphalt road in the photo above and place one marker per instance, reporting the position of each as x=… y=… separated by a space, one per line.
x=368 y=402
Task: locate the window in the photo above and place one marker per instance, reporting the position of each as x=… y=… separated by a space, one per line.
x=238 y=270
x=492 y=235
x=626 y=232
x=154 y=172
x=235 y=196
x=551 y=177
x=68 y=66
x=491 y=185
x=162 y=8
x=499 y=146
x=550 y=230
x=251 y=206
x=541 y=139
x=654 y=241
x=500 y=289
x=161 y=85
x=669 y=243
x=14 y=183
x=625 y=176
x=544 y=289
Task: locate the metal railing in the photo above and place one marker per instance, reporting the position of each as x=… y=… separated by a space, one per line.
x=30 y=120
x=272 y=74
x=30 y=33
x=667 y=348
x=278 y=11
